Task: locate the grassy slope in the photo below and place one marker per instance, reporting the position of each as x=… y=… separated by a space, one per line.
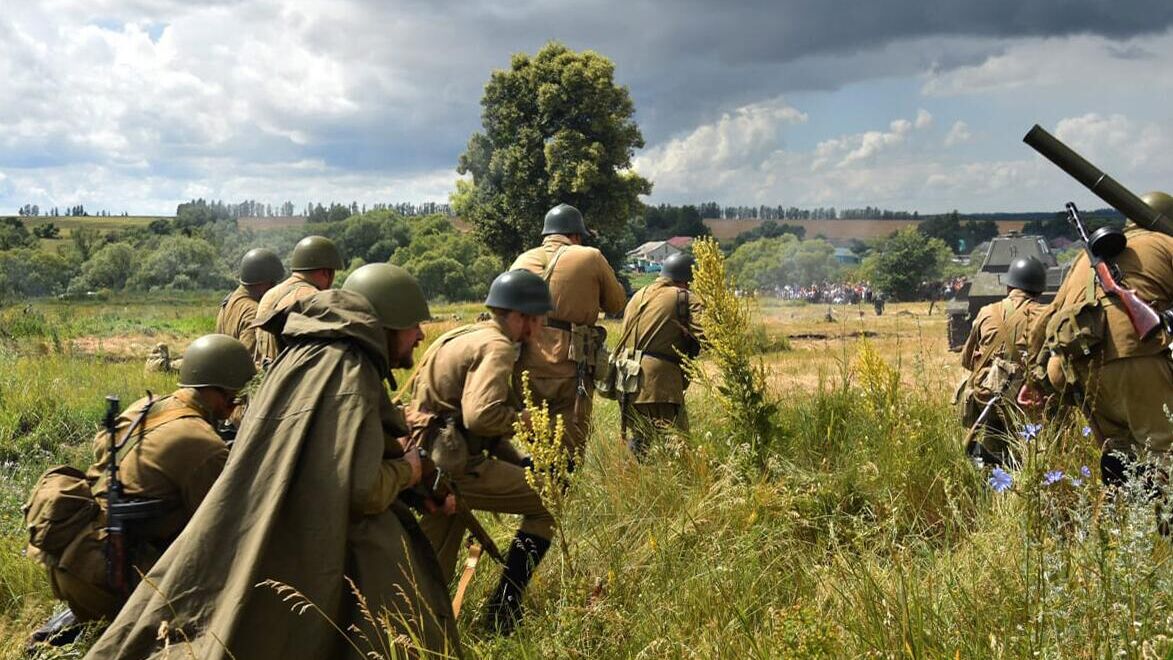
x=868 y=535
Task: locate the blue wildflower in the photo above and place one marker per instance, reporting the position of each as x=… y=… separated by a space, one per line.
x=1000 y=480
x=1052 y=477
x=1030 y=431
x=1086 y=431
x=1085 y=471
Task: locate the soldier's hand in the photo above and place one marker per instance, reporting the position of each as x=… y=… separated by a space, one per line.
x=413 y=459
x=1029 y=396
x=448 y=507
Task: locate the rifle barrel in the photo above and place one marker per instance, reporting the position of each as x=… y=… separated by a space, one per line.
x=1104 y=186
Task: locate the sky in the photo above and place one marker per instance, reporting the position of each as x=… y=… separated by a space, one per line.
x=136 y=105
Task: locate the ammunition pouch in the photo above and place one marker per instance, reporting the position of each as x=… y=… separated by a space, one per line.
x=60 y=508
x=998 y=375
x=628 y=372
x=442 y=437
x=966 y=403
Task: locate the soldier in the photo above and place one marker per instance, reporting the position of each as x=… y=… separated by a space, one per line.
x=467 y=377
x=661 y=324
x=315 y=260
x=1123 y=383
x=561 y=357
x=260 y=270
x=309 y=502
x=172 y=455
x=994 y=354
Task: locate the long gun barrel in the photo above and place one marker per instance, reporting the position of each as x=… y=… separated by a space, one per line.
x=1104 y=186
x=115 y=532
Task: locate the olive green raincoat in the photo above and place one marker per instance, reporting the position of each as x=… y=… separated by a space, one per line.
x=316 y=453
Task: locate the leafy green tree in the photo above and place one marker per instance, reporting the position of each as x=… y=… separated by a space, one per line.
x=28 y=272
x=556 y=129
x=774 y=262
x=901 y=262
x=13 y=234
x=182 y=263
x=110 y=268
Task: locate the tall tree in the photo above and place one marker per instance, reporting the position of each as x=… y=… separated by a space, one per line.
x=556 y=129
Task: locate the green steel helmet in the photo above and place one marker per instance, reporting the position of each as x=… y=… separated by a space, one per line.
x=563 y=219
x=217 y=361
x=678 y=267
x=522 y=291
x=261 y=265
x=1161 y=202
x=314 y=252
x=1026 y=273
x=394 y=294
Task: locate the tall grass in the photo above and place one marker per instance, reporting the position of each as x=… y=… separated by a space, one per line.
x=862 y=532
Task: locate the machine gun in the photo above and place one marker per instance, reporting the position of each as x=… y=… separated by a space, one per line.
x=119 y=510
x=1105 y=243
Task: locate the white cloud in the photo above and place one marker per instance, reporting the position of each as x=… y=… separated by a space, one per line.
x=923 y=119
x=959 y=133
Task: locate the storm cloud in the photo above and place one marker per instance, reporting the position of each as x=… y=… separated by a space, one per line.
x=158 y=100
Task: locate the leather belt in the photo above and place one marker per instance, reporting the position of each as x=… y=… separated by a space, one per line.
x=674 y=359
x=559 y=324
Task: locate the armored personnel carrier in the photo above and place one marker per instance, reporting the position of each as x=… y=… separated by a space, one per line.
x=986 y=285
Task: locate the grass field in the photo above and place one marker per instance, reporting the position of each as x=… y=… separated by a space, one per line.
x=865 y=534
x=835 y=230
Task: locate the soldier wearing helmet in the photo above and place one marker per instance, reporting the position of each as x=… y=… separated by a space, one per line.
x=1123 y=382
x=260 y=270
x=310 y=497
x=174 y=455
x=994 y=355
x=561 y=357
x=314 y=262
x=466 y=379
x=660 y=329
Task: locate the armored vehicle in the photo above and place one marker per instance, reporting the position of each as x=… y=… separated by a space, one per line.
x=986 y=285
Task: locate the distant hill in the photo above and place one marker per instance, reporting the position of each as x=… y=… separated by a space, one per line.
x=842 y=230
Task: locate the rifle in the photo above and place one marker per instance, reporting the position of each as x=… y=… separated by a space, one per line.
x=441 y=486
x=1145 y=319
x=119 y=511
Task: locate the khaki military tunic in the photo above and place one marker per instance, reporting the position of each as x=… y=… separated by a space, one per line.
x=1000 y=330
x=1126 y=382
x=469 y=375
x=581 y=284
x=278 y=299
x=177 y=460
x=237 y=313
x=662 y=321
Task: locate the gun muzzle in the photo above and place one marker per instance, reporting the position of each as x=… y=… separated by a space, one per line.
x=1104 y=186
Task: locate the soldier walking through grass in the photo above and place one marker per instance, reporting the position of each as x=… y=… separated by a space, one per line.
x=561 y=358
x=660 y=329
x=995 y=356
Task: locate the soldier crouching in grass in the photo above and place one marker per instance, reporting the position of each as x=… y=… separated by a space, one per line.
x=660 y=328
x=169 y=453
x=302 y=549
x=466 y=380
x=260 y=270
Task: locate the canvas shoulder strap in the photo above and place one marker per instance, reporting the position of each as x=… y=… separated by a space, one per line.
x=553 y=261
x=409 y=384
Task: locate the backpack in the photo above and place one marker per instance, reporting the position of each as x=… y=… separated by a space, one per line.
x=60 y=508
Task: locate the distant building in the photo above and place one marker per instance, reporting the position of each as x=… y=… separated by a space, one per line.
x=680 y=242
x=652 y=253
x=846 y=257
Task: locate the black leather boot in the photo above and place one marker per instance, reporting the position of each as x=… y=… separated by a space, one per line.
x=504 y=608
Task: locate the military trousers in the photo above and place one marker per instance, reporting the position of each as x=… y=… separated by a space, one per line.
x=489 y=485
x=89 y=602
x=1128 y=398
x=643 y=421
x=561 y=395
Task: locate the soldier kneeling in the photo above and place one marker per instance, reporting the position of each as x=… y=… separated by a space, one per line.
x=168 y=456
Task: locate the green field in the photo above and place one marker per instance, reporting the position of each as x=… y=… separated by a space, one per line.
x=865 y=533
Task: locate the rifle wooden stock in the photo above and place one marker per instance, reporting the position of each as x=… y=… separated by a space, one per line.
x=1144 y=319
